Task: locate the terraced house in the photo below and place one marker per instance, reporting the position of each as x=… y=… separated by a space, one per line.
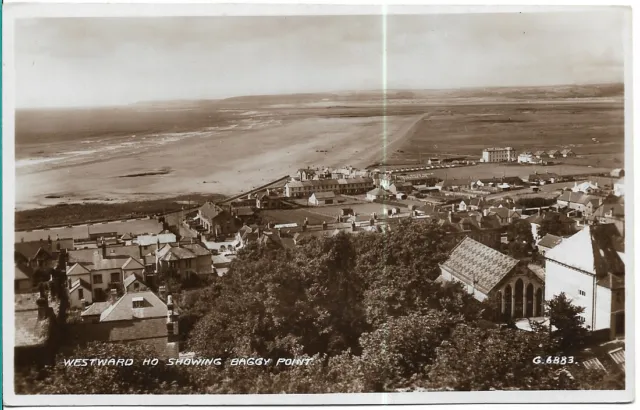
x=350 y=186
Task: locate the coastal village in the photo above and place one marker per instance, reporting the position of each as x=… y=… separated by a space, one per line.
x=112 y=268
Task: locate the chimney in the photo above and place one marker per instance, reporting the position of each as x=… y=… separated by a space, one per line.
x=374 y=216
x=162 y=292
x=104 y=249
x=113 y=296
x=450 y=216
x=353 y=226
x=43 y=306
x=324 y=225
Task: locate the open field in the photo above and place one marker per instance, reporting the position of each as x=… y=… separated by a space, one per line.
x=467 y=129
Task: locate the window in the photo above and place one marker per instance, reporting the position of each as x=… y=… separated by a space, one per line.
x=115 y=277
x=97 y=279
x=582 y=320
x=80 y=294
x=138 y=302
x=582 y=293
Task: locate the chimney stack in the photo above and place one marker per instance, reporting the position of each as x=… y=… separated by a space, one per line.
x=353 y=226
x=113 y=296
x=324 y=225
x=162 y=292
x=104 y=249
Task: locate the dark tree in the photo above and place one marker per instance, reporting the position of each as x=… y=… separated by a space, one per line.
x=567 y=324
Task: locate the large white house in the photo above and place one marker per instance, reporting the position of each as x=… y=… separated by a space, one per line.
x=589 y=268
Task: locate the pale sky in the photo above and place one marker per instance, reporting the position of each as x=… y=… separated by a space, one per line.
x=114 y=61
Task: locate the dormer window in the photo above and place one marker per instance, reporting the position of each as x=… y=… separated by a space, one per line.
x=138 y=302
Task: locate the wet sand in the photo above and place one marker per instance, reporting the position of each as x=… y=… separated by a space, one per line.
x=224 y=163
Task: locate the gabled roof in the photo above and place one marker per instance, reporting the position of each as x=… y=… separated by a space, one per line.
x=95 y=309
x=472 y=261
x=549 y=241
x=123 y=308
x=130 y=279
x=23 y=272
x=31 y=249
x=132 y=263
x=324 y=195
x=616 y=210
x=80 y=283
x=210 y=210
x=244 y=211
x=378 y=192
x=593 y=250
x=197 y=249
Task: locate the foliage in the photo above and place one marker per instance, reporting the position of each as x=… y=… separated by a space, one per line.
x=569 y=332
x=494 y=359
x=135 y=379
x=520 y=238
x=552 y=224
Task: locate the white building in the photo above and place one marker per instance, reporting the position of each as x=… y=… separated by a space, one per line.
x=589 y=270
x=525 y=158
x=618 y=187
x=498 y=154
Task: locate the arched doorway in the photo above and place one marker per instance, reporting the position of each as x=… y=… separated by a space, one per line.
x=529 y=296
x=539 y=298
x=507 y=301
x=519 y=291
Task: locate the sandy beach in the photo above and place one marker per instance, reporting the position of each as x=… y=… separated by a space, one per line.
x=225 y=161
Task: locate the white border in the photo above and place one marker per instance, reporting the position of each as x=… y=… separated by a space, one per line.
x=15 y=10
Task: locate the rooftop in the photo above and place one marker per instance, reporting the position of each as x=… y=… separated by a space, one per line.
x=478 y=263
x=123 y=308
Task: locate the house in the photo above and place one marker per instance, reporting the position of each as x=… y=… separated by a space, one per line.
x=216 y=221
x=553 y=153
x=35 y=336
x=588 y=268
x=322 y=198
x=505 y=215
x=618 y=187
x=103 y=269
x=80 y=293
x=41 y=254
x=160 y=239
x=586 y=187
x=610 y=213
x=545 y=178
x=567 y=153
x=185 y=260
x=617 y=173
x=485 y=273
x=476 y=204
x=540 y=154
x=463 y=205
x=400 y=188
x=243 y=213
x=559 y=219
x=548 y=242
x=525 y=158
x=350 y=186
x=139 y=317
x=268 y=200
x=23 y=278
x=304 y=174
x=584 y=203
x=377 y=194
x=498 y=154
x=454 y=184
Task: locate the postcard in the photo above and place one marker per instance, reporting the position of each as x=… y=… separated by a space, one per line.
x=240 y=204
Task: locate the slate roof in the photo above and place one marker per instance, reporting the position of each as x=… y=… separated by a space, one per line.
x=472 y=261
x=23 y=272
x=244 y=211
x=130 y=279
x=80 y=283
x=146 y=240
x=132 y=263
x=324 y=195
x=123 y=309
x=578 y=197
x=549 y=241
x=594 y=250
x=197 y=249
x=617 y=211
x=95 y=309
x=210 y=210
x=30 y=249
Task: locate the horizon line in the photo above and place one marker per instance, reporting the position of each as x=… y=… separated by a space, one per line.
x=380 y=90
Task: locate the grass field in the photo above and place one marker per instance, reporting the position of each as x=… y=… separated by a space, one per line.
x=467 y=129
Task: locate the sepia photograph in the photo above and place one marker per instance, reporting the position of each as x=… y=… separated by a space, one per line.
x=261 y=204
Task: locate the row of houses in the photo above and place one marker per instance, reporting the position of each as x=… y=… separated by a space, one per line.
x=535 y=157
x=350 y=186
